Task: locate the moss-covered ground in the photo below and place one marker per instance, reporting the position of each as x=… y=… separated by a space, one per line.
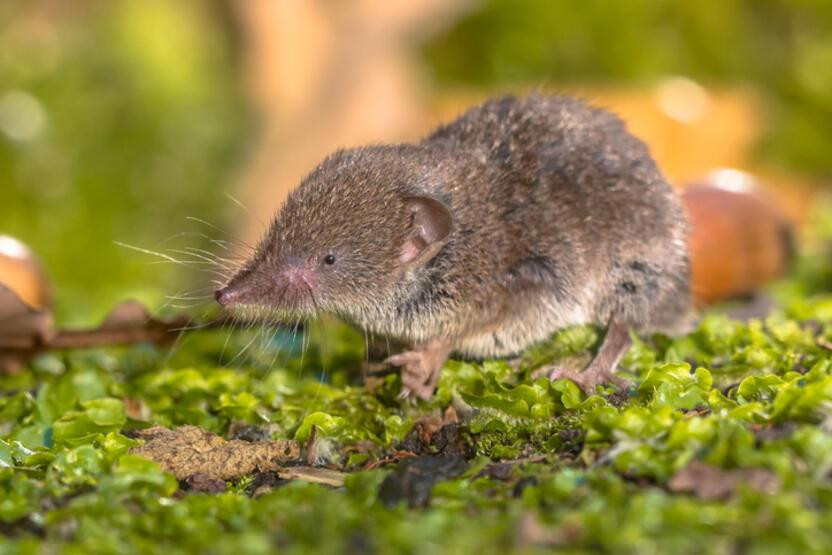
x=723 y=444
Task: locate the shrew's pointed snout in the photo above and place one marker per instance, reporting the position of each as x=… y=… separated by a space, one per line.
x=224 y=296
x=244 y=288
x=231 y=295
x=289 y=288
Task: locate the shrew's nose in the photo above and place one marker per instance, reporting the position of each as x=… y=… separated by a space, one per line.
x=225 y=296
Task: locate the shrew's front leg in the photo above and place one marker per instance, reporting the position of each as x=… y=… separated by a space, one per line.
x=421 y=368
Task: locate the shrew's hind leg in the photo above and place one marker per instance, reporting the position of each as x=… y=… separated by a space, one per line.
x=602 y=368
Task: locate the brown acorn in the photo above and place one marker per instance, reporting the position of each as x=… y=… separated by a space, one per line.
x=22 y=273
x=739 y=239
x=25 y=303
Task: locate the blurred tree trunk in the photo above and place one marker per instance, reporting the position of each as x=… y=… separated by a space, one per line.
x=326 y=75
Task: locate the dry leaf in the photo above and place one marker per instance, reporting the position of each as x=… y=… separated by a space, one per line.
x=413 y=479
x=711 y=482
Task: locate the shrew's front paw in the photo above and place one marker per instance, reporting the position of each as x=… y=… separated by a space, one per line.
x=421 y=369
x=419 y=373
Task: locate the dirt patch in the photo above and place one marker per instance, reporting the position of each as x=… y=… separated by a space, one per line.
x=190 y=451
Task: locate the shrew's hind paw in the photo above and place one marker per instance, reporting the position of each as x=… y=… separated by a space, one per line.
x=588 y=380
x=602 y=368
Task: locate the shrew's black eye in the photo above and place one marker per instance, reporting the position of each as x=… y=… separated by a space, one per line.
x=329 y=259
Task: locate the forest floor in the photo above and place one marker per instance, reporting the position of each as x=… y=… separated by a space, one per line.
x=723 y=444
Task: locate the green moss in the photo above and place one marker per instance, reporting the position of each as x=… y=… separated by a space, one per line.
x=779 y=48
x=755 y=395
x=589 y=473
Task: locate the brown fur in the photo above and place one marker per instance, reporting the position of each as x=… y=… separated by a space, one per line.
x=559 y=217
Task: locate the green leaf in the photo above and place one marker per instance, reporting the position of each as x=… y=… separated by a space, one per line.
x=325 y=424
x=6 y=459
x=105 y=412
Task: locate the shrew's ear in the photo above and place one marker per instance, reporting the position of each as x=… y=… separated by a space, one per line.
x=429 y=226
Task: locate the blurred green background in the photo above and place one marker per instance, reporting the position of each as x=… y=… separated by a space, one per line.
x=781 y=48
x=120 y=119
x=117 y=121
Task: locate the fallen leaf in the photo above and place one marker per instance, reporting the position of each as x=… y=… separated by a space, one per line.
x=711 y=482
x=188 y=451
x=413 y=479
